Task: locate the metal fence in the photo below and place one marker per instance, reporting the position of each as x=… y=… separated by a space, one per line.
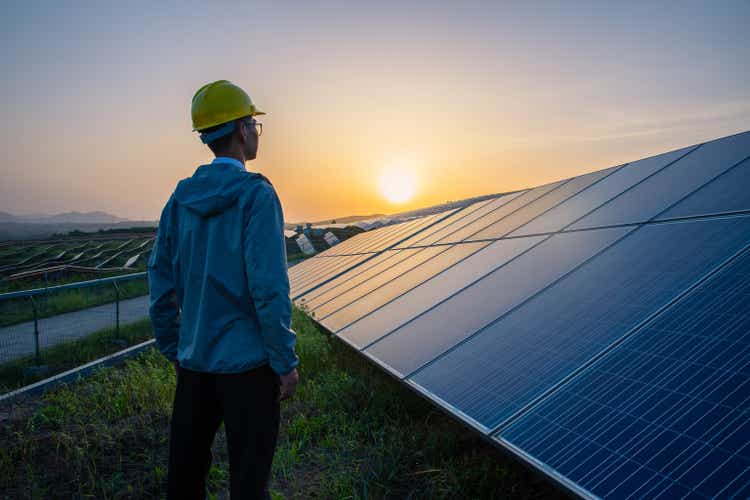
x=34 y=321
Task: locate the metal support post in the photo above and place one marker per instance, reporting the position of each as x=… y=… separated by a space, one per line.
x=117 y=310
x=37 y=354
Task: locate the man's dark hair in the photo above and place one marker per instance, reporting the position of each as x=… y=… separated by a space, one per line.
x=221 y=145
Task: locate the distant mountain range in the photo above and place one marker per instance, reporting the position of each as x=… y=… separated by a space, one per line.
x=97 y=217
x=38 y=226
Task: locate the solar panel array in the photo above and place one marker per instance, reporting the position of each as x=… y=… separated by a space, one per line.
x=597 y=327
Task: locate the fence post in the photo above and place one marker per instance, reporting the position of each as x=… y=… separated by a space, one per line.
x=37 y=354
x=117 y=310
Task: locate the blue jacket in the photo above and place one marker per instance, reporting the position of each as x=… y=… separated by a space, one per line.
x=218 y=274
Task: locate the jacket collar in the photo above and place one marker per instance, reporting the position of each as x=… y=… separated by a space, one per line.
x=232 y=161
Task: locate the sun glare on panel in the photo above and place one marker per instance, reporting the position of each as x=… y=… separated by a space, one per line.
x=397 y=185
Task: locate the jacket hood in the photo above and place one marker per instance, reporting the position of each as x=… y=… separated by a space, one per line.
x=213 y=188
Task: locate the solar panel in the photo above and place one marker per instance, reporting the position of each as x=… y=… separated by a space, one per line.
x=385 y=237
x=505 y=285
x=387 y=263
x=305 y=245
x=525 y=353
x=371 y=300
x=462 y=219
x=667 y=412
x=592 y=198
x=727 y=193
x=669 y=185
x=541 y=205
x=502 y=211
x=332 y=262
x=331 y=239
x=325 y=269
x=384 y=262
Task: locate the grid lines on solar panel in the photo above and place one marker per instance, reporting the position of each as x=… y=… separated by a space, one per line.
x=398 y=284
x=668 y=186
x=543 y=204
x=327 y=267
x=499 y=212
x=390 y=264
x=342 y=284
x=381 y=238
x=667 y=412
x=509 y=279
x=727 y=193
x=592 y=198
x=353 y=284
x=528 y=351
x=449 y=226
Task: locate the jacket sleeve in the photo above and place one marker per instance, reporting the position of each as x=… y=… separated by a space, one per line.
x=268 y=282
x=164 y=306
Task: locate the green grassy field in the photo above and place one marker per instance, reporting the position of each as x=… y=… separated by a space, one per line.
x=350 y=432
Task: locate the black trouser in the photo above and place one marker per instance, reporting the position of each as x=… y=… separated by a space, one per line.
x=248 y=404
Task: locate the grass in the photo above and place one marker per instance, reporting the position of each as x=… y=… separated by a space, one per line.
x=19 y=310
x=349 y=432
x=67 y=355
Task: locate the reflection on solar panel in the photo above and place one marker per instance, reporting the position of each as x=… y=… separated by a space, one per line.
x=305 y=245
x=331 y=239
x=597 y=327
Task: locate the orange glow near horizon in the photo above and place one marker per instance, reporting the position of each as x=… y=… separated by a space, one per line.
x=370 y=110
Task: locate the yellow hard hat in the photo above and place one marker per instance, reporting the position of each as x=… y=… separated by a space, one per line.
x=220 y=102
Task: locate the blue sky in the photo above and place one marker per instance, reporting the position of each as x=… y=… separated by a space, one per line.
x=473 y=97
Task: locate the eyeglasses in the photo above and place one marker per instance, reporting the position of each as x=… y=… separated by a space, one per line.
x=258 y=127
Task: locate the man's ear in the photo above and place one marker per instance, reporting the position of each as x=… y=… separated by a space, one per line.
x=241 y=131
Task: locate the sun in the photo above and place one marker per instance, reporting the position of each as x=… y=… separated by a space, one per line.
x=397 y=186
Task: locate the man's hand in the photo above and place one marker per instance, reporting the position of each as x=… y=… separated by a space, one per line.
x=288 y=384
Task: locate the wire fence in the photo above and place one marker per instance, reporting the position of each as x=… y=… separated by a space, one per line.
x=35 y=322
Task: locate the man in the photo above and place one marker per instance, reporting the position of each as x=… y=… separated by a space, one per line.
x=220 y=304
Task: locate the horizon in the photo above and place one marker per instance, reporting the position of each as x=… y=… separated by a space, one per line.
x=370 y=110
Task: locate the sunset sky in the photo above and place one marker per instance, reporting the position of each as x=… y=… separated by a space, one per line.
x=462 y=98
